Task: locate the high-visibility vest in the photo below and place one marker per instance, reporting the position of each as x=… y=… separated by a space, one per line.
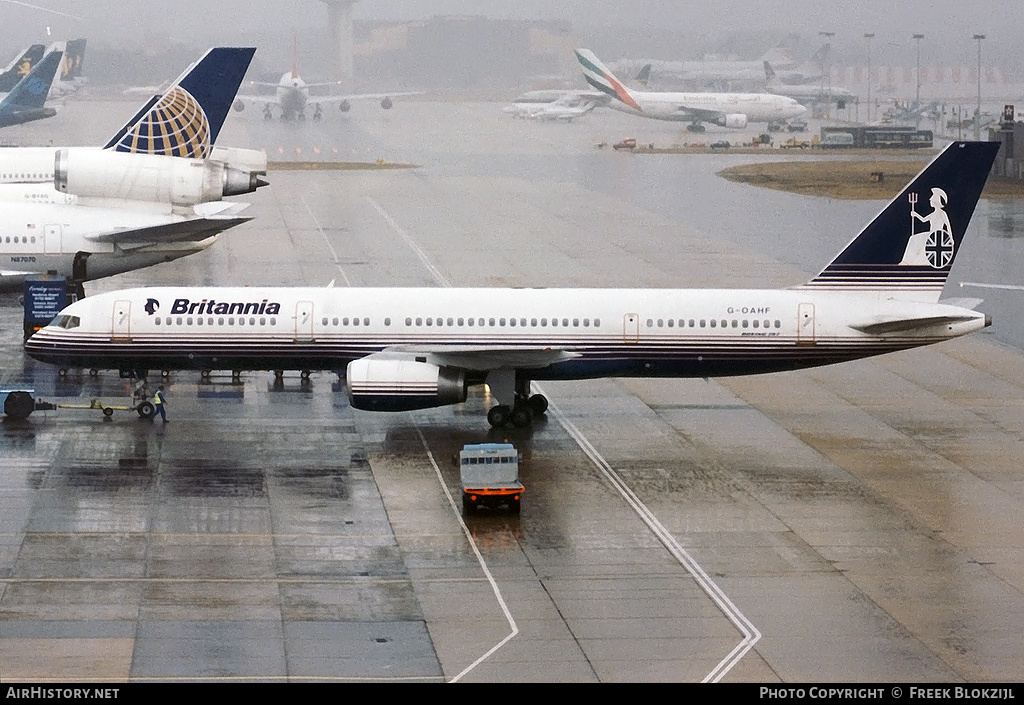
x=158 y=398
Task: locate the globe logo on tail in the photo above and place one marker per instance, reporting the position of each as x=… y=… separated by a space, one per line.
x=176 y=126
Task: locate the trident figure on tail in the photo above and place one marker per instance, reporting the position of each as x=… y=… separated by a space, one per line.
x=934 y=246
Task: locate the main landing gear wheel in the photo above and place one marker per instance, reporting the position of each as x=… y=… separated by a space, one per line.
x=499 y=415
x=538 y=404
x=522 y=415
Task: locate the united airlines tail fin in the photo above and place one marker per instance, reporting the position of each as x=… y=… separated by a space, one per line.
x=771 y=78
x=908 y=249
x=31 y=91
x=600 y=77
x=186 y=120
x=20 y=67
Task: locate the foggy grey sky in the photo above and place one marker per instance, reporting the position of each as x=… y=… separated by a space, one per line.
x=949 y=23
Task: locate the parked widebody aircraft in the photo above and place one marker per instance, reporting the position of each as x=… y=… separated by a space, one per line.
x=732 y=110
x=86 y=212
x=405 y=349
x=697 y=75
x=19 y=67
x=27 y=100
x=806 y=93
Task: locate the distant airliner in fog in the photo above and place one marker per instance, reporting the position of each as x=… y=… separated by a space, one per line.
x=291 y=96
x=732 y=110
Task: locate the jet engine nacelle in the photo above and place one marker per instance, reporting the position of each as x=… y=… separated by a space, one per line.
x=736 y=121
x=403 y=385
x=252 y=160
x=149 y=177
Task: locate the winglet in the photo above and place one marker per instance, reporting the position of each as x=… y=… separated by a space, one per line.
x=904 y=252
x=187 y=119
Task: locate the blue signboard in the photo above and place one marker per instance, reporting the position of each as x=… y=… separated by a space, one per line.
x=44 y=299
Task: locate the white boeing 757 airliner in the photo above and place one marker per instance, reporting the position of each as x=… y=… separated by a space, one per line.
x=417 y=348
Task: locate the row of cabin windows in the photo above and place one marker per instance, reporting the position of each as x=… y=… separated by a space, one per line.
x=472 y=322
x=24 y=239
x=714 y=323
x=502 y=322
x=22 y=177
x=210 y=320
x=352 y=321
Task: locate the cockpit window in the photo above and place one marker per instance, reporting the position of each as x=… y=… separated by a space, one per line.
x=65 y=321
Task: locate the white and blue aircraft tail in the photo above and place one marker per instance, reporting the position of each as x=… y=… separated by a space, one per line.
x=903 y=254
x=186 y=120
x=407 y=349
x=27 y=100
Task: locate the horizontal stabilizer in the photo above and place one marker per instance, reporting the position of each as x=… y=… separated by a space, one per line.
x=902 y=325
x=192 y=230
x=964 y=302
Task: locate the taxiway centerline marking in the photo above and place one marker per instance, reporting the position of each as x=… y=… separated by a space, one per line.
x=750 y=633
x=330 y=247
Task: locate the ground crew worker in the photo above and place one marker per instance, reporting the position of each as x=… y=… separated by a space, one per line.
x=158 y=404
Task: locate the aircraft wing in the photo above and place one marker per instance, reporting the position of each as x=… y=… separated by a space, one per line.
x=702 y=114
x=358 y=96
x=191 y=230
x=481 y=357
x=15 y=273
x=901 y=325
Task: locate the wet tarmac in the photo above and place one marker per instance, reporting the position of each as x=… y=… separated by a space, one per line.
x=850 y=523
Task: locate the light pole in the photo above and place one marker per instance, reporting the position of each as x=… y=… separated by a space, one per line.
x=917 y=38
x=828 y=69
x=977 y=114
x=868 y=36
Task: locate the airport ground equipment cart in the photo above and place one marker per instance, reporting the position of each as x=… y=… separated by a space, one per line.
x=489 y=473
x=20 y=403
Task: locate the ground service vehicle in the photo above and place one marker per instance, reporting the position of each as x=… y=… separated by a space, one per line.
x=489 y=473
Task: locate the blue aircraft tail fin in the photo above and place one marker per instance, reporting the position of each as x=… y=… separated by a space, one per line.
x=186 y=120
x=909 y=248
x=31 y=91
x=20 y=67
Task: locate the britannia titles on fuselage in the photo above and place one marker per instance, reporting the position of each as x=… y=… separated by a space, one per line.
x=209 y=306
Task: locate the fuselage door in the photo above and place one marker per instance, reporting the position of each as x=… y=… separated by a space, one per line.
x=304 y=321
x=52 y=239
x=805 y=324
x=631 y=328
x=120 y=322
